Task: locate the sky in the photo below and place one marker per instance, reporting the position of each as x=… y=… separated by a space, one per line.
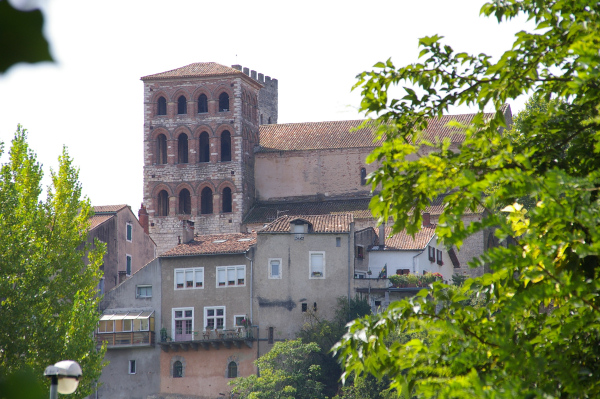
x=91 y=99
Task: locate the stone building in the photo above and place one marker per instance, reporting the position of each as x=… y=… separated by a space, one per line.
x=200 y=129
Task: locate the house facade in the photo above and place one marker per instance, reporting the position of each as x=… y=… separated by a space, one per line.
x=208 y=334
x=128 y=246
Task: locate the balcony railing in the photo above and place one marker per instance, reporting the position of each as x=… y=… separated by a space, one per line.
x=122 y=339
x=207 y=338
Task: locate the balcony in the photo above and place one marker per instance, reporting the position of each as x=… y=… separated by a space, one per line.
x=125 y=329
x=207 y=339
x=127 y=339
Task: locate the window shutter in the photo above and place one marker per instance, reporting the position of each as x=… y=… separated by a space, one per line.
x=241 y=275
x=316 y=261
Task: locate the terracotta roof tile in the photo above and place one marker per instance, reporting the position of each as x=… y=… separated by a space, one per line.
x=97 y=220
x=339 y=134
x=214 y=244
x=319 y=223
x=314 y=135
x=194 y=70
x=108 y=208
x=404 y=242
x=268 y=212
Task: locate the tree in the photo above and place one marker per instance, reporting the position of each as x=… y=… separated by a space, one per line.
x=539 y=334
x=326 y=333
x=287 y=371
x=49 y=298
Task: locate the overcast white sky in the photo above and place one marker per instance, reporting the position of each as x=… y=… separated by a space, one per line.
x=91 y=99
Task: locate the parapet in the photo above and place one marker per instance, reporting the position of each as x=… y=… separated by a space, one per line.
x=259 y=77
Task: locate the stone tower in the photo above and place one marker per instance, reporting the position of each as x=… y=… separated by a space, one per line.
x=200 y=128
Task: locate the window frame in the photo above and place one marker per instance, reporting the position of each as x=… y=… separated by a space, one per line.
x=235 y=320
x=161 y=106
x=183 y=318
x=129 y=232
x=297 y=234
x=146 y=286
x=128 y=264
x=227 y=269
x=270 y=270
x=310 y=266
x=215 y=317
x=132 y=370
x=229 y=369
x=180 y=367
x=184 y=271
x=439 y=258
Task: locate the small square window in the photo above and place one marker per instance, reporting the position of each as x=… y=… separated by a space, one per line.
x=132 y=369
x=275 y=268
x=144 y=291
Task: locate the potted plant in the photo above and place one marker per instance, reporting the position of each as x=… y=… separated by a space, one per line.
x=396 y=280
x=163 y=335
x=412 y=280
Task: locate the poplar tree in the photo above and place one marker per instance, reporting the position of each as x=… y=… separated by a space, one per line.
x=48 y=276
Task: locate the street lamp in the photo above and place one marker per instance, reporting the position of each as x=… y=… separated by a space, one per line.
x=65 y=377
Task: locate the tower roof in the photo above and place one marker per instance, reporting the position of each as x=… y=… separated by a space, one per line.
x=195 y=70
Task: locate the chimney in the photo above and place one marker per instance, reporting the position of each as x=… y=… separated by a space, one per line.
x=382 y=234
x=188 y=231
x=426 y=219
x=143 y=218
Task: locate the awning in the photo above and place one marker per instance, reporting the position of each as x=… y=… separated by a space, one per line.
x=144 y=314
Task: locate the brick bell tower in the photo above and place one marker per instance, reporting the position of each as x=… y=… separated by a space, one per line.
x=200 y=128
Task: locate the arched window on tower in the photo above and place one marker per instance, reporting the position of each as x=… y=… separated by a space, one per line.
x=182 y=105
x=177 y=369
x=202 y=104
x=185 y=202
x=363 y=176
x=161 y=106
x=232 y=370
x=223 y=102
x=206 y=201
x=182 y=148
x=204 y=148
x=161 y=150
x=225 y=146
x=227 y=200
x=163 y=204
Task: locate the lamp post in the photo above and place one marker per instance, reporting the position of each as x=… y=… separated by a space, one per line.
x=64 y=377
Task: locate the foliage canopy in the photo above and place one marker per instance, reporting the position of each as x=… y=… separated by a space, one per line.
x=539 y=334
x=48 y=308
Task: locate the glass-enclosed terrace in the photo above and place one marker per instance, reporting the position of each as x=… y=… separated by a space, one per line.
x=131 y=328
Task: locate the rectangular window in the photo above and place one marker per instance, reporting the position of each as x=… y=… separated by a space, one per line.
x=271 y=338
x=298 y=230
x=239 y=320
x=338 y=241
x=360 y=252
x=275 y=268
x=189 y=278
x=214 y=317
x=431 y=253
x=106 y=326
x=132 y=367
x=183 y=324
x=231 y=276
x=439 y=258
x=128 y=265
x=317 y=264
x=129 y=232
x=304 y=307
x=144 y=291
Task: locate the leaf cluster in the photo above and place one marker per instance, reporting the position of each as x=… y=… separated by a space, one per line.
x=538 y=335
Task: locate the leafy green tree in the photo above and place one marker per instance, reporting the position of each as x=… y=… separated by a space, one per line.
x=326 y=333
x=287 y=371
x=539 y=334
x=48 y=308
